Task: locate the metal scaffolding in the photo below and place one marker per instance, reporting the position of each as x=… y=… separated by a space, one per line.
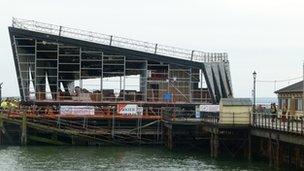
x=52 y=67
x=57 y=70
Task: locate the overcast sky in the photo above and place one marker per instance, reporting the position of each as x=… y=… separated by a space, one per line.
x=262 y=35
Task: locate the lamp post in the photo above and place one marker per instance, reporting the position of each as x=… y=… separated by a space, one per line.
x=303 y=91
x=254 y=74
x=1 y=91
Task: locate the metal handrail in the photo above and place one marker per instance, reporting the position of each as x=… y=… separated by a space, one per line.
x=121 y=42
x=285 y=123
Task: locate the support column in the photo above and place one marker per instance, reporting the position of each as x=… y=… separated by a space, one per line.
x=216 y=145
x=211 y=145
x=170 y=139
x=249 y=147
x=270 y=150
x=261 y=140
x=73 y=140
x=297 y=154
x=289 y=154
x=113 y=125
x=54 y=137
x=278 y=157
x=23 y=129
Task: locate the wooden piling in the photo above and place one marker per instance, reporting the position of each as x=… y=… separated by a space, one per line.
x=278 y=153
x=23 y=130
x=73 y=140
x=249 y=147
x=211 y=145
x=170 y=139
x=297 y=157
x=261 y=145
x=289 y=154
x=216 y=146
x=270 y=157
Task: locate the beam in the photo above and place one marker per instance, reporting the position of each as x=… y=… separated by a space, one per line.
x=24 y=129
x=46 y=140
x=284 y=137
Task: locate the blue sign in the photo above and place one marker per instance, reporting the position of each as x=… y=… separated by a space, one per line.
x=167 y=96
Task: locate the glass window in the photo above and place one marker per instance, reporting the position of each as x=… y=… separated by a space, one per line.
x=280 y=104
x=299 y=105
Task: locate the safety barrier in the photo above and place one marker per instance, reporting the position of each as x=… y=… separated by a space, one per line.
x=286 y=123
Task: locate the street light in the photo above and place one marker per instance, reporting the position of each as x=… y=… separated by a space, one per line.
x=1 y=91
x=303 y=90
x=254 y=74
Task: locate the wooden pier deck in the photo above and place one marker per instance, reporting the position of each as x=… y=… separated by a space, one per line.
x=280 y=141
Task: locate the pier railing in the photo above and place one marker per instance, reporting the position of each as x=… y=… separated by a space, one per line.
x=285 y=123
x=223 y=119
x=192 y=55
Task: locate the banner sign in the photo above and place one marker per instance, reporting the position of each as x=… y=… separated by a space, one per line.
x=77 y=110
x=129 y=109
x=209 y=108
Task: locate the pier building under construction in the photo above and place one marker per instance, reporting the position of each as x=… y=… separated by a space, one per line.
x=79 y=87
x=105 y=87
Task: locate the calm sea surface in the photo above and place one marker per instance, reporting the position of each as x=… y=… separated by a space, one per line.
x=116 y=158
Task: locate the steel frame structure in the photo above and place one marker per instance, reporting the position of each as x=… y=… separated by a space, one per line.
x=46 y=62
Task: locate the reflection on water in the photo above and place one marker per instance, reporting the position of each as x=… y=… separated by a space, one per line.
x=114 y=158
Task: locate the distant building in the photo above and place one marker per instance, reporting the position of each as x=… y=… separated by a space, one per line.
x=290 y=97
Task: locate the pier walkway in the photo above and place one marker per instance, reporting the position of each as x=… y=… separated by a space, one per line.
x=287 y=124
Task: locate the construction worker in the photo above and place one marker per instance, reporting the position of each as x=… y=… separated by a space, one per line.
x=4 y=104
x=11 y=104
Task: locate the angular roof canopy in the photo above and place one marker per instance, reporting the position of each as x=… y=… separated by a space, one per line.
x=120 y=42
